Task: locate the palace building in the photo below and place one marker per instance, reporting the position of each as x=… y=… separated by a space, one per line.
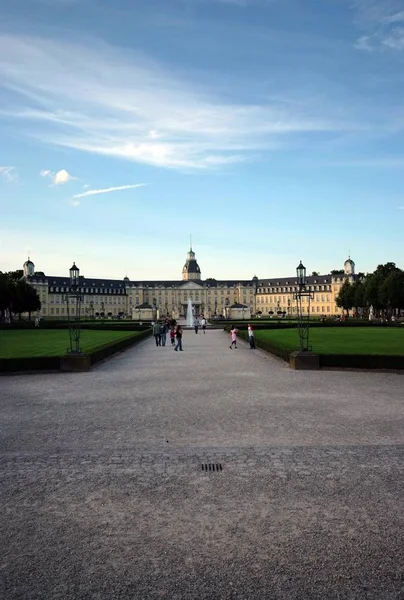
x=141 y=300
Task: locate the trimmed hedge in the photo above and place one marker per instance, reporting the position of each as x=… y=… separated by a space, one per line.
x=52 y=363
x=243 y=325
x=362 y=361
x=100 y=326
x=338 y=361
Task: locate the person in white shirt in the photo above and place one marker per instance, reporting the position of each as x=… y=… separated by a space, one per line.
x=203 y=323
x=251 y=336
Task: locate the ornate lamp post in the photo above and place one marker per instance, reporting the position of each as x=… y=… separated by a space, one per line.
x=303 y=319
x=215 y=308
x=227 y=303
x=75 y=298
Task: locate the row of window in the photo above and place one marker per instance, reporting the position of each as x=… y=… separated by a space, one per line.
x=284 y=300
x=91 y=291
x=312 y=288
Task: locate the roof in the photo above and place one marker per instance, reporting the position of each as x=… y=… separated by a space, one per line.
x=144 y=305
x=90 y=282
x=238 y=305
x=191 y=266
x=284 y=281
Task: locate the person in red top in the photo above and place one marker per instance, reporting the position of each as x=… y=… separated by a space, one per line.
x=172 y=335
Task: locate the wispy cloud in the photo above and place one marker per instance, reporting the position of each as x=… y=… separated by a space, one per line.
x=108 y=190
x=138 y=110
x=9 y=174
x=59 y=178
x=395 y=39
x=380 y=19
x=396 y=18
x=368 y=163
x=364 y=43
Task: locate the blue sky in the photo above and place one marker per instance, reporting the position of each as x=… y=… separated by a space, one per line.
x=272 y=130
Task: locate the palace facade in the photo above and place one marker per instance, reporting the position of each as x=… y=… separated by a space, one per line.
x=141 y=300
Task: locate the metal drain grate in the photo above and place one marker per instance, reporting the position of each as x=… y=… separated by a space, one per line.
x=212 y=467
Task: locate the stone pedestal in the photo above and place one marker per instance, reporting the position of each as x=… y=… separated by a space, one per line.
x=304 y=361
x=75 y=363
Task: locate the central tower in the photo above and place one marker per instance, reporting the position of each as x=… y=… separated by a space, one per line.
x=191 y=270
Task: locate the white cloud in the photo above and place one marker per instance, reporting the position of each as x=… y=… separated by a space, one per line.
x=396 y=39
x=137 y=110
x=62 y=177
x=396 y=18
x=9 y=174
x=108 y=190
x=75 y=202
x=59 y=178
x=379 y=18
x=364 y=43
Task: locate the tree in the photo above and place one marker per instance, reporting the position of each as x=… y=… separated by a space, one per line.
x=24 y=298
x=358 y=293
x=392 y=290
x=337 y=272
x=345 y=298
x=374 y=284
x=31 y=300
x=315 y=273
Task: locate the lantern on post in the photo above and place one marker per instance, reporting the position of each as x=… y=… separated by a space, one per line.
x=74 y=276
x=74 y=298
x=303 y=318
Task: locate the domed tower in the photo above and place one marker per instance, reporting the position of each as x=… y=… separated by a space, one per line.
x=349 y=266
x=191 y=270
x=28 y=268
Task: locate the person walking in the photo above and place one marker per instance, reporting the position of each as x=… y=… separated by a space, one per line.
x=251 y=337
x=203 y=323
x=178 y=336
x=172 y=335
x=157 y=333
x=163 y=334
x=196 y=324
x=233 y=334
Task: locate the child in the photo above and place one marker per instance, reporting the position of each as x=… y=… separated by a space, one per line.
x=172 y=335
x=233 y=334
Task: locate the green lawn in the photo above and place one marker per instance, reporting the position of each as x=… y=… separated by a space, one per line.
x=51 y=342
x=329 y=340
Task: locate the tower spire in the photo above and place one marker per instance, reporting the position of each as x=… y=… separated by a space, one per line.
x=190 y=241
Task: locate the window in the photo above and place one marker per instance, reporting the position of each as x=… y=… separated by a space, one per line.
x=57 y=311
x=52 y=310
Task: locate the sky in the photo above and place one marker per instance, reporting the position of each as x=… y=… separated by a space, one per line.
x=270 y=130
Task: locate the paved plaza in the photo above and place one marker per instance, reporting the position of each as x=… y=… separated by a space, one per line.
x=104 y=495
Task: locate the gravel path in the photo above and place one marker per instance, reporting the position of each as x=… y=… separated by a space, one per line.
x=103 y=492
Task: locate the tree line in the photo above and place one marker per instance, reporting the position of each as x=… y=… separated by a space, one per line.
x=17 y=296
x=383 y=290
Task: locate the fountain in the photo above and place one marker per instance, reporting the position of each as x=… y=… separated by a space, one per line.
x=190 y=318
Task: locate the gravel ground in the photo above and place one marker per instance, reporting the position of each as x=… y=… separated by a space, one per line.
x=103 y=494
